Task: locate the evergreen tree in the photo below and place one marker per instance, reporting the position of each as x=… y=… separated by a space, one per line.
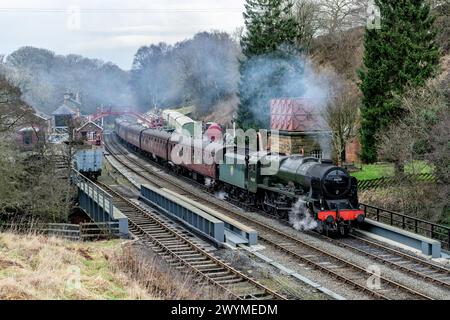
x=401 y=54
x=271 y=32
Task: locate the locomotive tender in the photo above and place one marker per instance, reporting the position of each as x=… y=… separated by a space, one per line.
x=326 y=192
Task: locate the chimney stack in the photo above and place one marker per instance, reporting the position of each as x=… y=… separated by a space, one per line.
x=67 y=96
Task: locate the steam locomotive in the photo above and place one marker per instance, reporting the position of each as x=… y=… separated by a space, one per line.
x=278 y=184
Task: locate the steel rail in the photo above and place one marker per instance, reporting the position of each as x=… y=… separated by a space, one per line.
x=277 y=232
x=430 y=266
x=210 y=258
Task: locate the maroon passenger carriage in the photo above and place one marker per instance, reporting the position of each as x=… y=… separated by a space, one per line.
x=187 y=156
x=130 y=133
x=199 y=162
x=154 y=143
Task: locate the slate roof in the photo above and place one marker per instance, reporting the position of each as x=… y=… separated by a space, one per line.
x=89 y=123
x=63 y=111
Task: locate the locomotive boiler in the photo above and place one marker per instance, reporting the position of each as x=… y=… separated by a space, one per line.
x=329 y=192
x=277 y=183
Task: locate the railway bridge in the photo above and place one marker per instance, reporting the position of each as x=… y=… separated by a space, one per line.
x=99 y=204
x=151 y=121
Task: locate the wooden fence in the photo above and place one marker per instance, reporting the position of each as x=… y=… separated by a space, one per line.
x=393 y=181
x=75 y=232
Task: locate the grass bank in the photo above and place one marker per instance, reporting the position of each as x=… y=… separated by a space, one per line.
x=379 y=170
x=39 y=267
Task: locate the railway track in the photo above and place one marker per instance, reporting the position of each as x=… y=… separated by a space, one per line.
x=413 y=265
x=182 y=253
x=304 y=251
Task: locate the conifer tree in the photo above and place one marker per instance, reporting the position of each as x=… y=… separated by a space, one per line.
x=399 y=55
x=271 y=32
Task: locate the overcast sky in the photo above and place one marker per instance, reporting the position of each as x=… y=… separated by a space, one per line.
x=111 y=30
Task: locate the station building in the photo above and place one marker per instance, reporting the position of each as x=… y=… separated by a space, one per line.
x=66 y=113
x=298 y=127
x=90 y=132
x=38 y=131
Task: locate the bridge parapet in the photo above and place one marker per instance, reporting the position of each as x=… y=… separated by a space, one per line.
x=98 y=203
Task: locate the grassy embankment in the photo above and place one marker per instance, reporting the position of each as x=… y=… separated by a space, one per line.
x=38 y=267
x=379 y=170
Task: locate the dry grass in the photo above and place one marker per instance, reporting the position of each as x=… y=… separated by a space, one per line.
x=38 y=267
x=421 y=200
x=142 y=265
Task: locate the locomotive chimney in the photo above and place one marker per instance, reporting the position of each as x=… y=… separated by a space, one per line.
x=262 y=140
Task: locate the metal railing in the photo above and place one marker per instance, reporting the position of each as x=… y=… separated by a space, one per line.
x=76 y=232
x=422 y=227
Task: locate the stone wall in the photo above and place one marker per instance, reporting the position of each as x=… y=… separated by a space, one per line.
x=298 y=143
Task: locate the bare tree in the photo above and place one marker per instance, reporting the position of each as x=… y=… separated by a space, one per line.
x=439 y=154
x=340 y=15
x=327 y=17
x=441 y=9
x=341 y=114
x=342 y=51
x=13 y=111
x=412 y=136
x=438 y=3
x=423 y=133
x=306 y=12
x=29 y=187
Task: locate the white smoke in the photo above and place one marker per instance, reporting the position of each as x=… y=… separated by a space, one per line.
x=201 y=71
x=287 y=75
x=300 y=217
x=221 y=195
x=208 y=182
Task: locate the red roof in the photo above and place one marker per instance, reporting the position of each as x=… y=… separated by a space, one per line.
x=300 y=115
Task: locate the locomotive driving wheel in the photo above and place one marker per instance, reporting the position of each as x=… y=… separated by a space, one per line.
x=320 y=228
x=267 y=199
x=344 y=230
